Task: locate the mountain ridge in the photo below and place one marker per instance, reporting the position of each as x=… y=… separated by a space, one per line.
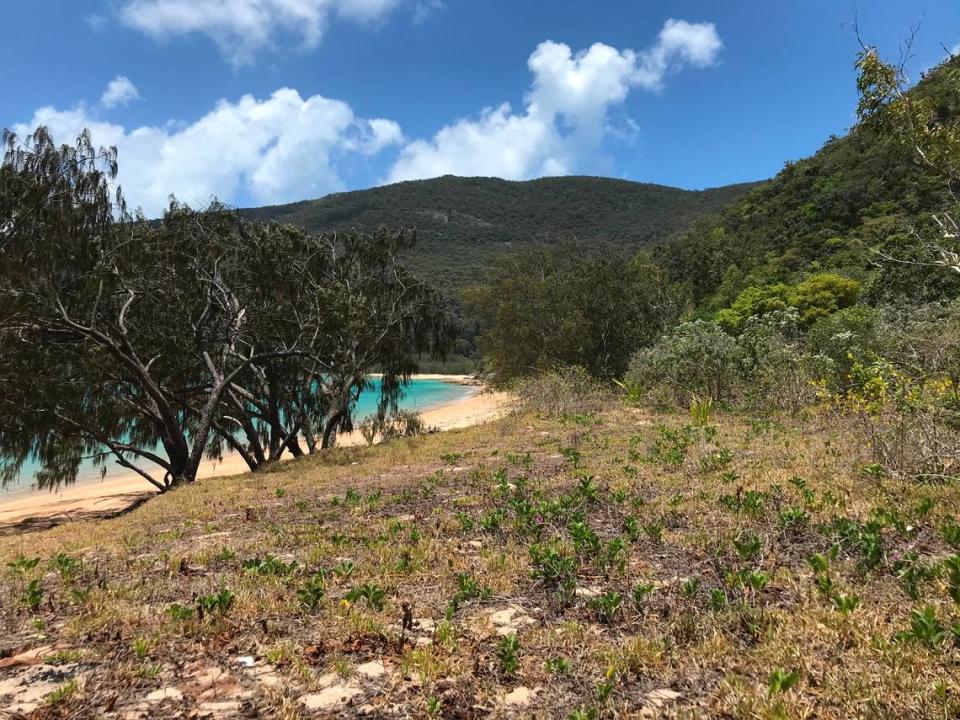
x=462 y=223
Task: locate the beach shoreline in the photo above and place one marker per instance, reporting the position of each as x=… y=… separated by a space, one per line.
x=117 y=493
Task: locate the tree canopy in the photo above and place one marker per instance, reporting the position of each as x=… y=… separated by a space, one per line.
x=167 y=341
x=561 y=304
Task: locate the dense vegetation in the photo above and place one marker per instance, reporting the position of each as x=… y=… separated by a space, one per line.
x=835 y=282
x=549 y=305
x=858 y=198
x=156 y=344
x=462 y=224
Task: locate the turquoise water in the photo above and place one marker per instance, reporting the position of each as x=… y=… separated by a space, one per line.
x=418 y=395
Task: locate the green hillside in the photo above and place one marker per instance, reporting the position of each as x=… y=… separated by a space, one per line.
x=462 y=223
x=826 y=212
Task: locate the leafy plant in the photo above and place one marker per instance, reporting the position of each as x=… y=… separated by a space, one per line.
x=508 y=652
x=585 y=540
x=912 y=571
x=715 y=460
x=552 y=566
x=374 y=596
x=640 y=594
x=950 y=530
x=925 y=628
x=845 y=604
x=865 y=538
x=781 y=681
x=572 y=455
x=466 y=522
x=32 y=595
x=345 y=569
x=434 y=707
x=792 y=518
x=654 y=530
x=269 y=565
x=718 y=598
x=180 y=613
x=493 y=521
x=750 y=502
x=690 y=587
x=467 y=589
x=68 y=567
x=670 y=448
x=21 y=565
x=218 y=603
x=952 y=567
x=312 y=592
x=587 y=488
x=748 y=580
x=747 y=544
x=606 y=606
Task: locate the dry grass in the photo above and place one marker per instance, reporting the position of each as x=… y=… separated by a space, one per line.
x=409 y=517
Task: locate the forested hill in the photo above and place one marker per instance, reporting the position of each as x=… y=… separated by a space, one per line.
x=858 y=194
x=462 y=223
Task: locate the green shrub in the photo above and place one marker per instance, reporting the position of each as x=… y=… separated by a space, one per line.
x=697 y=359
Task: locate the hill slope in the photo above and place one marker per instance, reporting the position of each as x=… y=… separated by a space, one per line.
x=462 y=223
x=824 y=213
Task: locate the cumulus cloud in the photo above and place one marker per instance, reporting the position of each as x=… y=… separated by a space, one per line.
x=280 y=149
x=286 y=147
x=120 y=91
x=242 y=27
x=565 y=118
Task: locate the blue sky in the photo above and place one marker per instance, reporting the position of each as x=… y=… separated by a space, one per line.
x=260 y=101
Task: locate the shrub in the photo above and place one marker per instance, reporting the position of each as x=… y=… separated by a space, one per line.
x=403 y=423
x=820 y=295
x=848 y=336
x=812 y=299
x=562 y=391
x=909 y=423
x=777 y=373
x=697 y=359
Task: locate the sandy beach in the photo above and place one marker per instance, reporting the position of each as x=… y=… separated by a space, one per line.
x=118 y=492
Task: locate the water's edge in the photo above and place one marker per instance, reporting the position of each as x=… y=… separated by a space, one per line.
x=420 y=395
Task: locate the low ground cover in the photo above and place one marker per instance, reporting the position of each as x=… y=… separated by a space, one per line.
x=610 y=563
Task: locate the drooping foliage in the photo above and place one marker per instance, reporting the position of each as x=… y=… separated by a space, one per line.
x=163 y=342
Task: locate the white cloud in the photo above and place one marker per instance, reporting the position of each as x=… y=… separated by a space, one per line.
x=280 y=149
x=120 y=91
x=424 y=9
x=285 y=148
x=565 y=118
x=242 y=27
